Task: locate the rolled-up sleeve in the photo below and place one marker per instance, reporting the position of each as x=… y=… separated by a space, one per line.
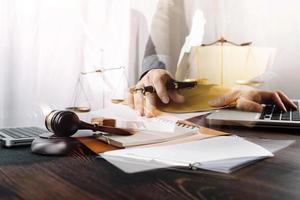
x=153 y=62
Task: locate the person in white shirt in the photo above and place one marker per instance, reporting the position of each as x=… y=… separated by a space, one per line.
x=172 y=23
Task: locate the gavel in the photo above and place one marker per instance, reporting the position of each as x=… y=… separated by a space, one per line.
x=66 y=123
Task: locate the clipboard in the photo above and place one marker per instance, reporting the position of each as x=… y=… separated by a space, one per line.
x=196 y=99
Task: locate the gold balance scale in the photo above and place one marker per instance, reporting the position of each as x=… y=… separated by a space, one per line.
x=80 y=90
x=226 y=63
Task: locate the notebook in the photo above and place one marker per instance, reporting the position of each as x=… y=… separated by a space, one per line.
x=149 y=131
x=221 y=154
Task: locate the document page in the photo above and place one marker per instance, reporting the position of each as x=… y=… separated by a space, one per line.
x=196 y=152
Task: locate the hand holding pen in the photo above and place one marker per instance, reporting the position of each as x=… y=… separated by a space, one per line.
x=157 y=84
x=170 y=85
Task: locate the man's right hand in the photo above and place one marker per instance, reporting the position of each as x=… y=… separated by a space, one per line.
x=145 y=105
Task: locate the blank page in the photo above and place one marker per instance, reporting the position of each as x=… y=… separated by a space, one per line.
x=201 y=151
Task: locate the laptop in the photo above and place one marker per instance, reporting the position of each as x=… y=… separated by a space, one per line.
x=19 y=136
x=271 y=116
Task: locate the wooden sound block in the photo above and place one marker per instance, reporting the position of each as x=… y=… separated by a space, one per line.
x=101 y=121
x=196 y=99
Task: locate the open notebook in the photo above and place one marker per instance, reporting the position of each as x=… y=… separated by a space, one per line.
x=149 y=131
x=222 y=154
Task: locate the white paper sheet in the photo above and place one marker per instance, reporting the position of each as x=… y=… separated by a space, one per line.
x=221 y=154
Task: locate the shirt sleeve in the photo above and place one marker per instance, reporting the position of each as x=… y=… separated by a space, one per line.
x=153 y=62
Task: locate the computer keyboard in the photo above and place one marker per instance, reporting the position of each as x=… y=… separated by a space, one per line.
x=26 y=132
x=272 y=112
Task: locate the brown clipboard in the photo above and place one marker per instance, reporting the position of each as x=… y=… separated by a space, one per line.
x=196 y=99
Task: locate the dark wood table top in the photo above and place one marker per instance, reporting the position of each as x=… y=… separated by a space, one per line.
x=81 y=175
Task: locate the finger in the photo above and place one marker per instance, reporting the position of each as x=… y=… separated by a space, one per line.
x=139 y=101
x=277 y=100
x=130 y=99
x=247 y=105
x=176 y=97
x=226 y=99
x=161 y=89
x=274 y=97
x=150 y=104
x=286 y=100
x=150 y=101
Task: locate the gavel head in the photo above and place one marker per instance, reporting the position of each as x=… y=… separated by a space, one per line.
x=62 y=123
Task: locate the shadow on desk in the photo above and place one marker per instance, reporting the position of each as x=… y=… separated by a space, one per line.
x=22 y=155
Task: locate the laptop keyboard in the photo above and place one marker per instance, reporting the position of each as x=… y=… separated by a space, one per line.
x=272 y=112
x=26 y=132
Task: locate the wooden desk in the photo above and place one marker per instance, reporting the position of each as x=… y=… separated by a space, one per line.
x=81 y=175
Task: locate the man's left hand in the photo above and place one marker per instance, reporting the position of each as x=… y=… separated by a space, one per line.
x=252 y=100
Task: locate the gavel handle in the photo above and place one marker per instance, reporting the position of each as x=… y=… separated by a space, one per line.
x=113 y=130
x=107 y=129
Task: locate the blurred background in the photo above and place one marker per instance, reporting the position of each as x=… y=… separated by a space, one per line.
x=46 y=44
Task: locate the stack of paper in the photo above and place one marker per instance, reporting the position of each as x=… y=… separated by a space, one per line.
x=222 y=154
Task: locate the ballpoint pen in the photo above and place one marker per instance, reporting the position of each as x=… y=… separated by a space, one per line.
x=171 y=85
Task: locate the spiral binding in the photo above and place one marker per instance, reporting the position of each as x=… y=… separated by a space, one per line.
x=182 y=124
x=178 y=123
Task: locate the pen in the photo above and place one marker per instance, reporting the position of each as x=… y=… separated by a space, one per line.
x=171 y=85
